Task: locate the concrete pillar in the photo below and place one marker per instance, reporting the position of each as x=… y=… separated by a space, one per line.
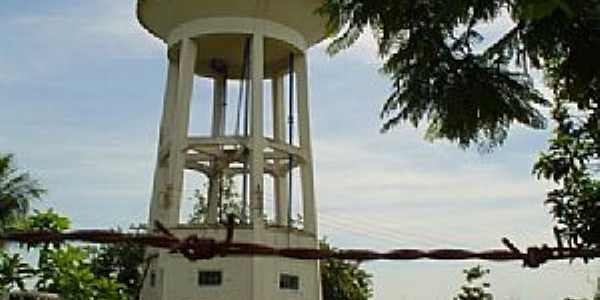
x=256 y=141
x=179 y=130
x=161 y=170
x=279 y=135
x=256 y=158
x=306 y=168
x=218 y=130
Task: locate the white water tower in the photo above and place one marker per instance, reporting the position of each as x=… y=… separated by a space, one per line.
x=255 y=44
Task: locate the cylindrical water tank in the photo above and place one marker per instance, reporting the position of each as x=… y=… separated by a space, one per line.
x=221 y=27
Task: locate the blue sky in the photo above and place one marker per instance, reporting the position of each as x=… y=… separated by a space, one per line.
x=81 y=87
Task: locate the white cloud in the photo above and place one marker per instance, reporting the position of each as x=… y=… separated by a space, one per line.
x=380 y=173
x=119 y=21
x=46 y=45
x=437 y=188
x=107 y=28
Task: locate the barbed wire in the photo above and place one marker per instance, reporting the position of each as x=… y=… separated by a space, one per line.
x=195 y=248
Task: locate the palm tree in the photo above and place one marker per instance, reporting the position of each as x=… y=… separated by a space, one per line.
x=17 y=189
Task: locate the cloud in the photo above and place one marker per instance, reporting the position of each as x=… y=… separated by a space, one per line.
x=415 y=164
x=98 y=178
x=107 y=28
x=46 y=42
x=427 y=187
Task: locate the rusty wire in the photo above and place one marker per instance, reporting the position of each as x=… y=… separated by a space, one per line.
x=195 y=248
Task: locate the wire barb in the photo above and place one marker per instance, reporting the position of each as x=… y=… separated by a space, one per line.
x=510 y=246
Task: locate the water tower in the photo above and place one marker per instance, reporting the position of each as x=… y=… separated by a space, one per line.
x=260 y=47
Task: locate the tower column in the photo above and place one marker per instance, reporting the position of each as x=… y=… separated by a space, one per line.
x=306 y=168
x=161 y=170
x=218 y=130
x=179 y=131
x=280 y=180
x=256 y=139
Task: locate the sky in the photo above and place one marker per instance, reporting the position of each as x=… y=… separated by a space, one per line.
x=81 y=89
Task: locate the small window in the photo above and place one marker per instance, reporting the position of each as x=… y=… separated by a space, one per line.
x=289 y=282
x=210 y=278
x=152 y=279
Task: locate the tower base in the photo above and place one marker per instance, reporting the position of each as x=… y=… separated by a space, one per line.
x=173 y=277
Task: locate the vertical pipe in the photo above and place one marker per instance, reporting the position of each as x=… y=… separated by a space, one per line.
x=223 y=131
x=179 y=130
x=280 y=180
x=247 y=86
x=243 y=101
x=218 y=130
x=243 y=76
x=256 y=140
x=219 y=101
x=291 y=139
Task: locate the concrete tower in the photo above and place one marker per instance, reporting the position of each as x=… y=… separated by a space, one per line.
x=258 y=43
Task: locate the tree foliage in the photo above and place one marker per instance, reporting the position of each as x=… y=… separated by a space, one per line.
x=470 y=89
x=230 y=202
x=569 y=162
x=475 y=288
x=67 y=271
x=17 y=190
x=342 y=280
x=44 y=221
x=63 y=269
x=13 y=272
x=572 y=158
x=444 y=75
x=124 y=263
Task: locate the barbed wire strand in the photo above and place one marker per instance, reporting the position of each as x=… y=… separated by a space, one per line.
x=195 y=248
